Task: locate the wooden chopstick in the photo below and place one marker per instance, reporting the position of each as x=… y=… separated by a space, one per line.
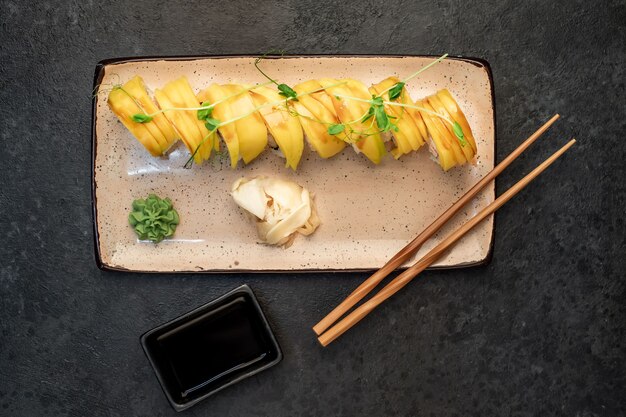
x=405 y=277
x=405 y=253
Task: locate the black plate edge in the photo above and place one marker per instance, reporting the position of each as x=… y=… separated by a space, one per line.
x=245 y=288
x=97 y=79
x=99 y=74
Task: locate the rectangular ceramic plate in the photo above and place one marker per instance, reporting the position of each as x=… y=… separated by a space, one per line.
x=368 y=212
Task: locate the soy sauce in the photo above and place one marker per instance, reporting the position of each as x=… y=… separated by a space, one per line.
x=211 y=348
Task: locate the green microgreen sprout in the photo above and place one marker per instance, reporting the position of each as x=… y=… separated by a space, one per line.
x=283 y=89
x=287 y=92
x=97 y=90
x=395 y=90
x=206 y=111
x=375 y=111
x=458 y=131
x=369 y=114
x=116 y=84
x=141 y=118
x=336 y=129
x=211 y=123
x=214 y=125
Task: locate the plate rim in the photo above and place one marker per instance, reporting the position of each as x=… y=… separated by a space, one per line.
x=99 y=75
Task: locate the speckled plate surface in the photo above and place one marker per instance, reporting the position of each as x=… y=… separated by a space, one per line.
x=368 y=212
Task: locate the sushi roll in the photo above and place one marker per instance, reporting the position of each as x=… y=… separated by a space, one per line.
x=249 y=118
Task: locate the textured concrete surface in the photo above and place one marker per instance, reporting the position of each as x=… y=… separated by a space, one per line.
x=539 y=331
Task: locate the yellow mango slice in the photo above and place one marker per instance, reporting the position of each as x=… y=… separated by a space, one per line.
x=251 y=130
x=285 y=129
x=172 y=89
x=180 y=122
x=124 y=108
x=222 y=112
x=181 y=95
x=314 y=102
x=438 y=147
x=137 y=88
x=415 y=114
x=317 y=136
x=208 y=141
x=445 y=154
x=314 y=89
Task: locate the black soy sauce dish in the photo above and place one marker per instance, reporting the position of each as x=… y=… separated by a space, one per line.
x=212 y=347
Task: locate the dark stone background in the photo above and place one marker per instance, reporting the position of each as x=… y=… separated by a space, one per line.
x=539 y=331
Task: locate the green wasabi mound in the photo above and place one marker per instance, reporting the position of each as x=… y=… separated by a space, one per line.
x=154 y=218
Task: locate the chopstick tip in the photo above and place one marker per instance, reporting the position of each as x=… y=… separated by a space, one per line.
x=323 y=341
x=317 y=330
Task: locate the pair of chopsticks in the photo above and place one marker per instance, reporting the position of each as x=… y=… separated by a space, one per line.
x=327 y=333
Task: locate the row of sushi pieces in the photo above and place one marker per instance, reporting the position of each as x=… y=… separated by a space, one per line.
x=258 y=116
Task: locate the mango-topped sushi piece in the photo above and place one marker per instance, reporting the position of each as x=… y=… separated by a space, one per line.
x=457 y=115
x=137 y=88
x=441 y=113
x=408 y=137
x=217 y=97
x=130 y=99
x=251 y=130
x=177 y=95
x=285 y=130
x=124 y=108
x=364 y=137
x=314 y=117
